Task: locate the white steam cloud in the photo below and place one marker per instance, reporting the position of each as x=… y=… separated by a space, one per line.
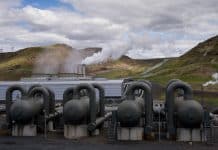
x=58 y=60
x=111 y=51
x=72 y=62
x=212 y=82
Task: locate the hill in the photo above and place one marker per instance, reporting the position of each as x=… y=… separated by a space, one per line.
x=122 y=68
x=25 y=62
x=22 y=63
x=195 y=67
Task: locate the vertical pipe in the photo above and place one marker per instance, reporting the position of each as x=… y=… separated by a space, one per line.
x=168 y=84
x=51 y=101
x=9 y=98
x=147 y=100
x=170 y=99
x=92 y=103
x=33 y=86
x=51 y=97
x=45 y=94
x=101 y=98
x=68 y=94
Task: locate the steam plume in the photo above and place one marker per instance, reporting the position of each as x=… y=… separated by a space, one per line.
x=112 y=51
x=212 y=82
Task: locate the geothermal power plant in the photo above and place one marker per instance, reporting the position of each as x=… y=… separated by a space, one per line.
x=81 y=107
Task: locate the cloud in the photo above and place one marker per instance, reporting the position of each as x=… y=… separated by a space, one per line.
x=139 y=28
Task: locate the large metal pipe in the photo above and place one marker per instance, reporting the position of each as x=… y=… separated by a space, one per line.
x=58 y=112
x=51 y=97
x=75 y=111
x=51 y=101
x=101 y=98
x=172 y=81
x=129 y=111
x=168 y=84
x=9 y=97
x=77 y=108
x=45 y=97
x=23 y=111
x=68 y=95
x=148 y=102
x=190 y=114
x=170 y=101
x=94 y=125
x=92 y=99
x=33 y=86
x=123 y=86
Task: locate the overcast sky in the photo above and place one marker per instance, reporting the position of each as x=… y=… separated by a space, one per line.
x=139 y=28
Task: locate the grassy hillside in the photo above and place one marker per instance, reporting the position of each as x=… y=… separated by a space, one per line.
x=15 y=65
x=195 y=67
x=122 y=68
x=19 y=64
x=22 y=63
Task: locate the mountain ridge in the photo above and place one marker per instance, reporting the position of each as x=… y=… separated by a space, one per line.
x=196 y=66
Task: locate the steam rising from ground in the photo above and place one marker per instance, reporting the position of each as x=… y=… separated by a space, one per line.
x=72 y=61
x=212 y=82
x=57 y=60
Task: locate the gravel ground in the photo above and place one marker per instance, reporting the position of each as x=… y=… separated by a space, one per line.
x=94 y=143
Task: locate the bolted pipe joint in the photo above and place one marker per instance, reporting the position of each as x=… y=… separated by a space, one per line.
x=94 y=125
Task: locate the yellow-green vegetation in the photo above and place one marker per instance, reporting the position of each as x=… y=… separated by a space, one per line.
x=208 y=100
x=121 y=68
x=15 y=65
x=195 y=67
x=19 y=64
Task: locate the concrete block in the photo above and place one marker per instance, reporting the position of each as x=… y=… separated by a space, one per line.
x=75 y=131
x=136 y=134
x=24 y=130
x=183 y=134
x=130 y=134
x=123 y=133
x=196 y=135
